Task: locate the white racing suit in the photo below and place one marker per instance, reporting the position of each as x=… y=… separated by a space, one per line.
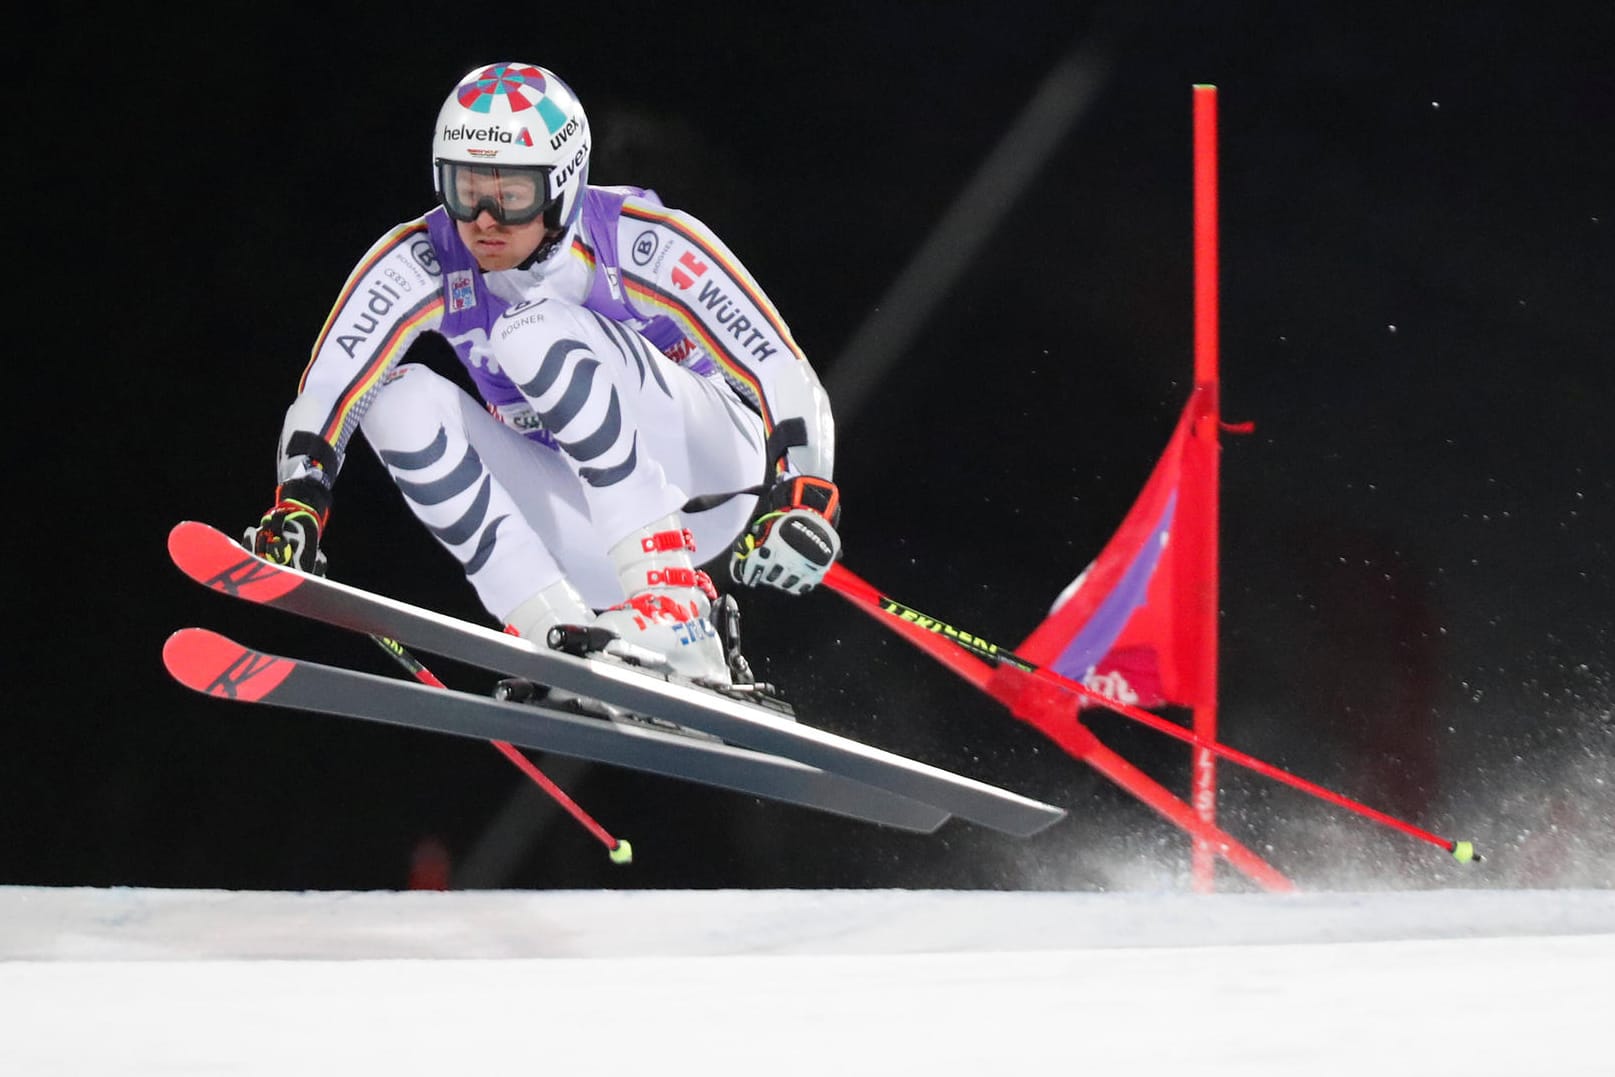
x=636 y=368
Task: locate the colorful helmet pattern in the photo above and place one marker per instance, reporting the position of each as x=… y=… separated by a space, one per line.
x=516 y=117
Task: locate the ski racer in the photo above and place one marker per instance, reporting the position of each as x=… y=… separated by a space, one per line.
x=631 y=375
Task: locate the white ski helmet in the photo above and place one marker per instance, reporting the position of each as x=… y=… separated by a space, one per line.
x=510 y=121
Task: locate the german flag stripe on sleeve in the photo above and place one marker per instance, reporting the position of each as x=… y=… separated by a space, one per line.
x=651 y=294
x=580 y=250
x=390 y=349
x=385 y=246
x=725 y=261
x=675 y=307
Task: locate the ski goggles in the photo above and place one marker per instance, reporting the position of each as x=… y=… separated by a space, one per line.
x=512 y=194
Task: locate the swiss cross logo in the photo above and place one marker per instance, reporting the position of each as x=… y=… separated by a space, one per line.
x=688 y=261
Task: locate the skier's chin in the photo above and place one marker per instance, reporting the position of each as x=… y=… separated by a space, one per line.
x=495 y=255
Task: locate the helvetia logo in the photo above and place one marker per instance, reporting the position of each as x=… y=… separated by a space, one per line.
x=462 y=133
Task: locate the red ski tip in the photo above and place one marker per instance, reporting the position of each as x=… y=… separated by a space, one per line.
x=183 y=537
x=215 y=560
x=215 y=665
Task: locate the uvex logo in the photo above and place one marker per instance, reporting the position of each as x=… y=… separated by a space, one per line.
x=566 y=171
x=564 y=133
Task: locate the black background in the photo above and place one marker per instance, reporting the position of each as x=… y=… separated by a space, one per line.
x=1417 y=315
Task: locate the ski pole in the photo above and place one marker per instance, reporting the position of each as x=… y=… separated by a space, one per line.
x=850 y=586
x=617 y=848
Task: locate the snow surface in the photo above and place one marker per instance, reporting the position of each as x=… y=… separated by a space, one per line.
x=135 y=981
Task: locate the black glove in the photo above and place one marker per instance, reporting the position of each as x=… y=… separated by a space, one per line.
x=289 y=534
x=792 y=542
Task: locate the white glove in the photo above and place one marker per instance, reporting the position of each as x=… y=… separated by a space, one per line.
x=792 y=542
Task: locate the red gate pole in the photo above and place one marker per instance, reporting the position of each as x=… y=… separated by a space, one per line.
x=1203 y=782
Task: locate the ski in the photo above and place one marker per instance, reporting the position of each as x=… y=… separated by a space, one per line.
x=216 y=561
x=215 y=665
